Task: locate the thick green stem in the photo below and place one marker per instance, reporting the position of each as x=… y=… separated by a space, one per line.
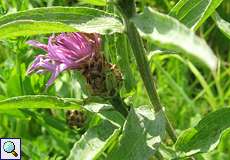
x=140 y=56
x=143 y=66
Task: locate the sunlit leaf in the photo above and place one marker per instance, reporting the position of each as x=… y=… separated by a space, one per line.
x=141 y=135
x=205 y=136
x=38 y=101
x=169 y=33
x=105 y=111
x=94 y=141
x=95 y=2
x=30 y=27
x=223 y=25
x=58 y=19
x=193 y=13
x=69 y=15
x=102 y=25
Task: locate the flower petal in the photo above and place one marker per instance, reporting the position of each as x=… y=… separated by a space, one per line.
x=38 y=45
x=65 y=51
x=41 y=62
x=59 y=68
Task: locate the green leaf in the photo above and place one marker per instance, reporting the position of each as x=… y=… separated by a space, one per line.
x=123 y=56
x=105 y=111
x=168 y=33
x=13 y=84
x=95 y=2
x=141 y=135
x=102 y=25
x=223 y=25
x=193 y=13
x=13 y=113
x=94 y=141
x=30 y=27
x=38 y=101
x=69 y=15
x=206 y=135
x=58 y=19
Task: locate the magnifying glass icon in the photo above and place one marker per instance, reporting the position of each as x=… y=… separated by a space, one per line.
x=9 y=147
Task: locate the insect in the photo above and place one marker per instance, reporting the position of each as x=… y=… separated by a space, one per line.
x=75 y=118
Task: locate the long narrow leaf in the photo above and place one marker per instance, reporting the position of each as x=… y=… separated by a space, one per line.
x=206 y=135
x=69 y=15
x=193 y=13
x=58 y=19
x=223 y=25
x=94 y=141
x=143 y=132
x=30 y=27
x=95 y=2
x=38 y=101
x=169 y=33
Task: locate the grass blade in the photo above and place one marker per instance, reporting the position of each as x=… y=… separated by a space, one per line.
x=223 y=25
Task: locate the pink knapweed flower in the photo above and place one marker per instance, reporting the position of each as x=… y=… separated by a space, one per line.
x=65 y=51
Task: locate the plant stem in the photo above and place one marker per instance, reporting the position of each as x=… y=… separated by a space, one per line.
x=19 y=71
x=119 y=105
x=140 y=56
x=159 y=156
x=143 y=66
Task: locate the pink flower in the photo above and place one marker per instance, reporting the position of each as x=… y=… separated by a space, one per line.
x=65 y=51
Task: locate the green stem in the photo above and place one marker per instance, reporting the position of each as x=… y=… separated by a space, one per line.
x=141 y=59
x=119 y=105
x=159 y=156
x=19 y=71
x=143 y=66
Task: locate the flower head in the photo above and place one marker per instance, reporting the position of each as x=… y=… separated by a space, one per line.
x=65 y=51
